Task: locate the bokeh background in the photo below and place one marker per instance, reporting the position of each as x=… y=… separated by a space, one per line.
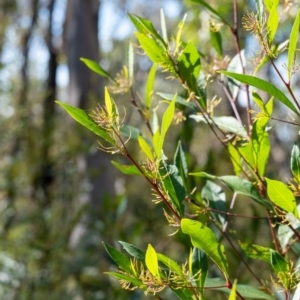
x=60 y=197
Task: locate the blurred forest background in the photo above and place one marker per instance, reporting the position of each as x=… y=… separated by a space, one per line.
x=60 y=197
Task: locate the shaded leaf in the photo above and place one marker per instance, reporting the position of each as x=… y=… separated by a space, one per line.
x=235 y=159
x=178 y=100
x=121 y=276
x=133 y=251
x=119 y=258
x=199 y=266
x=94 y=66
x=295 y=161
x=170 y=264
x=216 y=41
x=181 y=163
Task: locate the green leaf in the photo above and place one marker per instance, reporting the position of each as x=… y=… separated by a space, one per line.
x=170 y=264
x=133 y=251
x=145 y=27
x=269 y=4
x=145 y=148
x=178 y=100
x=216 y=198
x=163 y=26
x=84 y=119
x=212 y=10
x=151 y=261
x=227 y=124
x=235 y=159
x=179 y=32
x=150 y=85
x=181 y=163
x=199 y=264
x=256 y=252
x=166 y=122
x=282 y=196
x=260 y=11
x=279 y=264
x=108 y=103
x=264 y=86
x=293 y=44
x=247 y=291
x=203 y=238
x=189 y=66
x=239 y=186
x=272 y=23
x=126 y=169
x=232 y=295
x=119 y=258
x=121 y=276
x=130 y=132
x=156 y=143
x=183 y=293
x=94 y=66
x=216 y=40
x=173 y=185
x=153 y=50
x=295 y=161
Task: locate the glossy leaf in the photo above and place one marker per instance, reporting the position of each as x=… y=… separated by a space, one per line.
x=166 y=122
x=285 y=233
x=127 y=169
x=145 y=148
x=232 y=295
x=279 y=264
x=133 y=251
x=119 y=258
x=84 y=119
x=227 y=124
x=163 y=26
x=239 y=186
x=94 y=66
x=247 y=291
x=212 y=10
x=295 y=161
x=282 y=196
x=293 y=44
x=216 y=198
x=170 y=264
x=181 y=163
x=151 y=261
x=150 y=85
x=145 y=27
x=124 y=277
x=173 y=185
x=203 y=238
x=199 y=266
x=264 y=86
x=272 y=23
x=189 y=65
x=179 y=100
x=153 y=50
x=235 y=159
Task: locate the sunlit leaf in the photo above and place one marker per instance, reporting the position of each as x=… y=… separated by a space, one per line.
x=151 y=261
x=163 y=26
x=235 y=159
x=216 y=41
x=232 y=295
x=145 y=148
x=178 y=100
x=282 y=196
x=108 y=103
x=84 y=119
x=228 y=124
x=170 y=264
x=126 y=169
x=272 y=23
x=264 y=86
x=203 y=238
x=150 y=85
x=94 y=66
x=293 y=44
